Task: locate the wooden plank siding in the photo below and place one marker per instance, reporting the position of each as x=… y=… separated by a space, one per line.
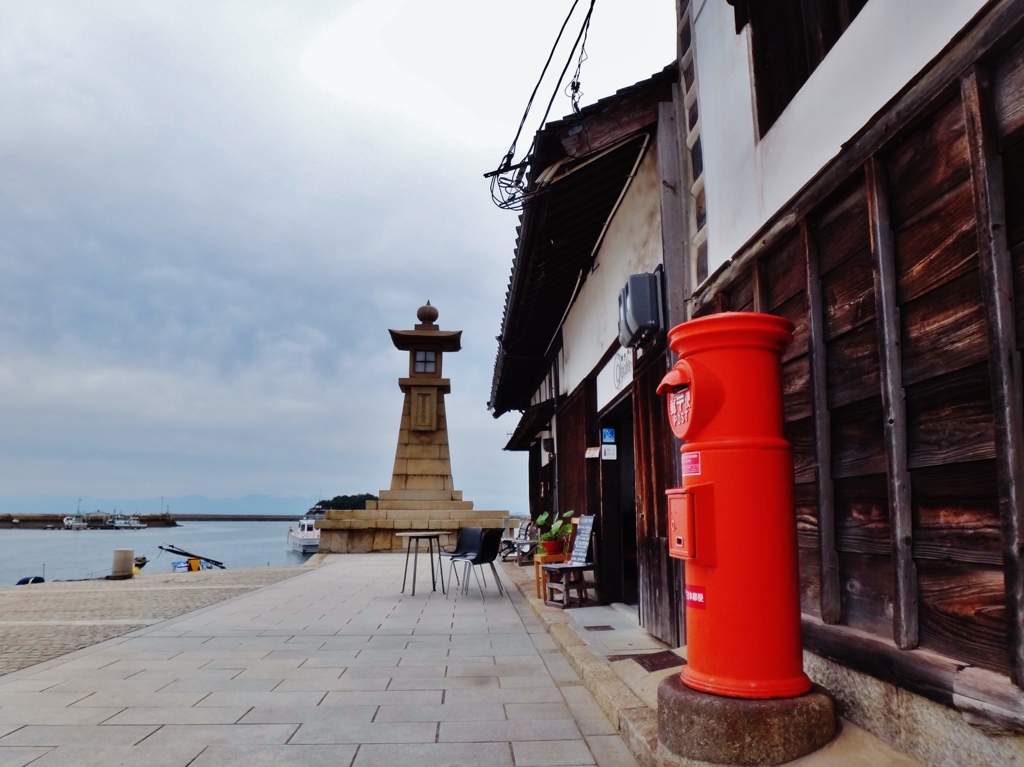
x=900 y=266
x=1004 y=362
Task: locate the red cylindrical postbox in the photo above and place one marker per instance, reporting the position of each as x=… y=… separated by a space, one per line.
x=733 y=520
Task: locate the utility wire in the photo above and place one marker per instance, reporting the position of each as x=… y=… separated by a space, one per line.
x=510 y=155
x=509 y=192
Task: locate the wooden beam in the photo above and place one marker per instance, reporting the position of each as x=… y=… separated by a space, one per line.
x=760 y=286
x=829 y=586
x=1001 y=25
x=997 y=296
x=926 y=673
x=894 y=407
x=674 y=230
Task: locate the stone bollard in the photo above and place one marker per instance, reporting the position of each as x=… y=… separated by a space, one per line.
x=124 y=561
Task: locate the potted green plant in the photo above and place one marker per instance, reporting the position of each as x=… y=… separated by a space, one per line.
x=554 y=538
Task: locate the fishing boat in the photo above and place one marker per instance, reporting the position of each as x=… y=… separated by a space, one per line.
x=125 y=522
x=75 y=522
x=304 y=538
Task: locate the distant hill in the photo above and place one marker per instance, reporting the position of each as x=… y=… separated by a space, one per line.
x=187 y=504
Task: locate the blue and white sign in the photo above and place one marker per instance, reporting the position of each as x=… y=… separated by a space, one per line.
x=608 y=436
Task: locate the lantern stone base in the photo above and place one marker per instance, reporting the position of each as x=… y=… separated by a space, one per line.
x=358 y=531
x=698 y=727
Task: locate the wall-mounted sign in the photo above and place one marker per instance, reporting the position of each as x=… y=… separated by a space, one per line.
x=608 y=436
x=609 y=452
x=615 y=377
x=593 y=452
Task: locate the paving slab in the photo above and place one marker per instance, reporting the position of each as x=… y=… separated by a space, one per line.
x=276 y=756
x=142 y=755
x=435 y=755
x=19 y=757
x=178 y=716
x=551 y=753
x=77 y=735
x=335 y=666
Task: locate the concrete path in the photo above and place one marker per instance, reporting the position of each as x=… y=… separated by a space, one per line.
x=333 y=667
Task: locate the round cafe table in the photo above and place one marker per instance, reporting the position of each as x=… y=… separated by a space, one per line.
x=431 y=537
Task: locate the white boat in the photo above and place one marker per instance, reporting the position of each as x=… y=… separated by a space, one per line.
x=75 y=522
x=305 y=537
x=125 y=522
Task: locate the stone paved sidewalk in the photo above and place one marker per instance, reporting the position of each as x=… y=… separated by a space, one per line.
x=333 y=667
x=46 y=620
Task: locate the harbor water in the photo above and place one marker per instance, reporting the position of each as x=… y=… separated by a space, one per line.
x=74 y=554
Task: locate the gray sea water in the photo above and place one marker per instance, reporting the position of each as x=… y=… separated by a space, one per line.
x=72 y=554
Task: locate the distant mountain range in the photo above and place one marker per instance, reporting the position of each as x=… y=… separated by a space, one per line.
x=186 y=504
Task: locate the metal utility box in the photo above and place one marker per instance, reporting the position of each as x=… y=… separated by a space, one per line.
x=640 y=308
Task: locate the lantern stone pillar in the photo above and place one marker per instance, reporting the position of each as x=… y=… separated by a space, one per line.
x=422 y=495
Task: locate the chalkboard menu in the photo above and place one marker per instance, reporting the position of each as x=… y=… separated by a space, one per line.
x=582 y=542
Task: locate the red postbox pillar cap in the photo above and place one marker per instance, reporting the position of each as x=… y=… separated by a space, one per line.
x=731 y=329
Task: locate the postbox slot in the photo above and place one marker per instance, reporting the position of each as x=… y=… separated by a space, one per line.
x=681 y=528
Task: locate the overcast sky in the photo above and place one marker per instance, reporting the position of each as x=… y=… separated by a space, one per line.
x=211 y=212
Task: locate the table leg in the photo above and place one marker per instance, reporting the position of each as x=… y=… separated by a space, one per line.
x=430 y=548
x=440 y=567
x=405 y=574
x=415 y=559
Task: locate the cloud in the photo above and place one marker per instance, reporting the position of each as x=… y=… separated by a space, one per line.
x=210 y=213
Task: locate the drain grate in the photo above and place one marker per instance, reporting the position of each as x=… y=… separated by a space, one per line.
x=599 y=628
x=654 y=661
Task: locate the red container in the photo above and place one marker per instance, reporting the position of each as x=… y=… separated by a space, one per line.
x=552 y=547
x=733 y=519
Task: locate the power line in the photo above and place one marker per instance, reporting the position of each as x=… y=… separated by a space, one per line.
x=507 y=181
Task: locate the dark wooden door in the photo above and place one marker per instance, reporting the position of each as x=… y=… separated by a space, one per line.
x=659 y=585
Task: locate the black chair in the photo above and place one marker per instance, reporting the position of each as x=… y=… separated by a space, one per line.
x=489 y=544
x=466 y=545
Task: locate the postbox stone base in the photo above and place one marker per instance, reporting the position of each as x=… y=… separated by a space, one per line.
x=709 y=728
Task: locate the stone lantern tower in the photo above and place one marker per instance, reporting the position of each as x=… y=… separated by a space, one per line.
x=423 y=470
x=422 y=494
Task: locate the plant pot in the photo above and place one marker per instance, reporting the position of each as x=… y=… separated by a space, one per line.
x=553 y=547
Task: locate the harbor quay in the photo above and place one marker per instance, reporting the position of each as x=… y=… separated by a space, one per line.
x=334 y=666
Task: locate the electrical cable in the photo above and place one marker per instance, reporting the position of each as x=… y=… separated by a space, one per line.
x=509 y=156
x=509 y=193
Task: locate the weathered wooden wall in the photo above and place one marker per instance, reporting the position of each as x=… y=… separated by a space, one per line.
x=902 y=273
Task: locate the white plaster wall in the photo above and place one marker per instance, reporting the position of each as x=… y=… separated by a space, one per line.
x=631 y=245
x=747 y=181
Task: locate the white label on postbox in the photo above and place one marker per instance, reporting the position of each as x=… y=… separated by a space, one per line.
x=691 y=464
x=679 y=404
x=695 y=597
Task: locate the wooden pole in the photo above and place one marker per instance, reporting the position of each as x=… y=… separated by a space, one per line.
x=760 y=286
x=894 y=408
x=997 y=297
x=675 y=241
x=829 y=588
